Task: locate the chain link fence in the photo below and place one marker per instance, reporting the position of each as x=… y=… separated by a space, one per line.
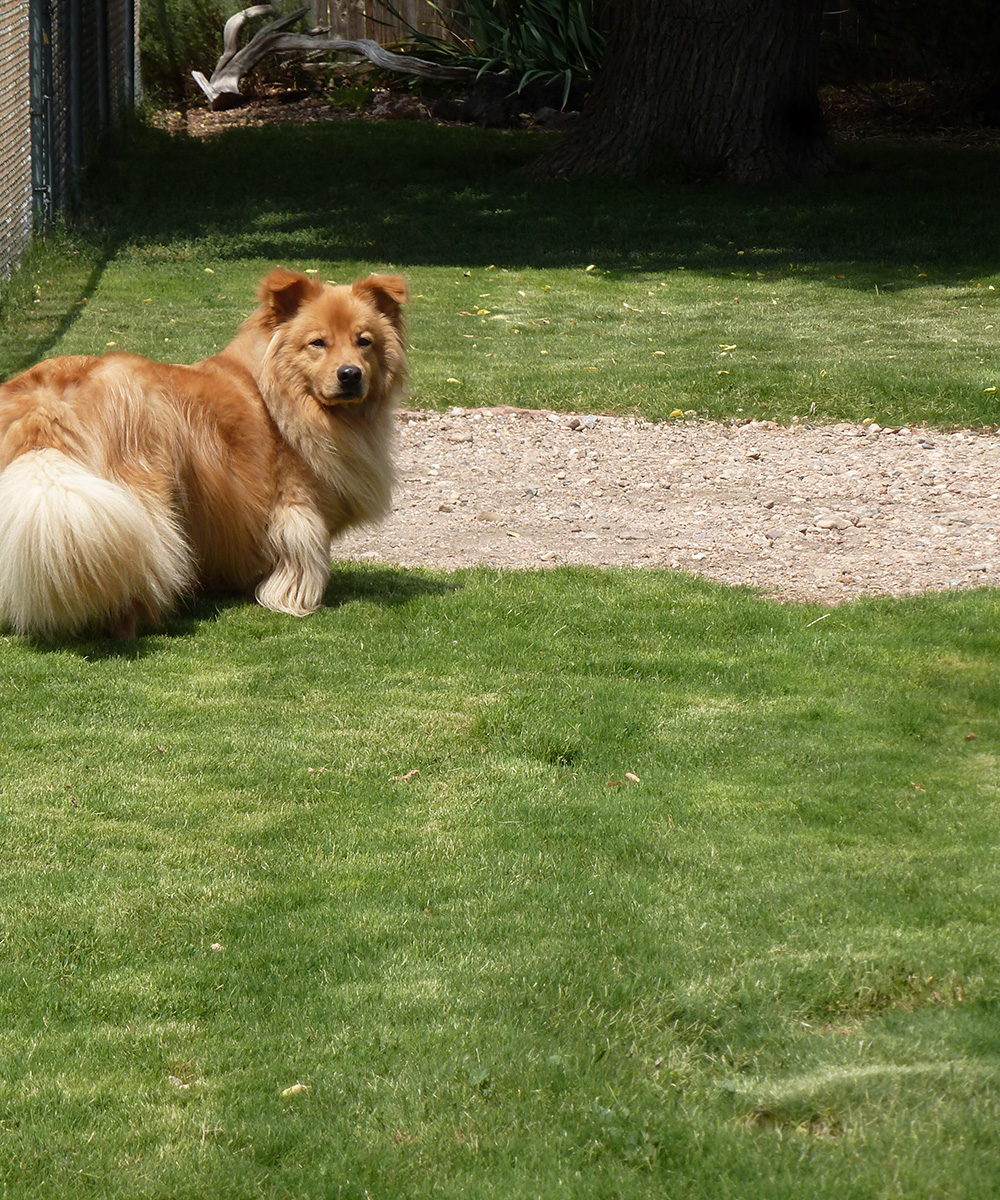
x=68 y=73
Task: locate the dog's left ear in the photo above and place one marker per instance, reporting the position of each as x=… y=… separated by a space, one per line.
x=282 y=292
x=387 y=292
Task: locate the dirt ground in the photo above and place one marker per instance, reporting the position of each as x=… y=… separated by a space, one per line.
x=825 y=514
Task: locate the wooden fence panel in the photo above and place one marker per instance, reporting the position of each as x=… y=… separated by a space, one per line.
x=383 y=22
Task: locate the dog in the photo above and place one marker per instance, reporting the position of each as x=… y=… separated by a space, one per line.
x=126 y=484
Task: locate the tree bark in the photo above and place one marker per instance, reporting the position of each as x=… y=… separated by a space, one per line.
x=729 y=87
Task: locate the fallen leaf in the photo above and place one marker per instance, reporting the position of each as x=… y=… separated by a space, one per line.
x=295 y=1090
x=916 y=787
x=408 y=775
x=615 y=783
x=972 y=737
x=632 y=778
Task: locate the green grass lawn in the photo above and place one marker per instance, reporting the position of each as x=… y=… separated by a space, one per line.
x=528 y=884
x=594 y=884
x=870 y=295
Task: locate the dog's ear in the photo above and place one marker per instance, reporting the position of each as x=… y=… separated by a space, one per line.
x=387 y=292
x=283 y=292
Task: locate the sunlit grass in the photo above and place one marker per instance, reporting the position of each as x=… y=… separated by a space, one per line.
x=621 y=880
x=870 y=296
x=516 y=884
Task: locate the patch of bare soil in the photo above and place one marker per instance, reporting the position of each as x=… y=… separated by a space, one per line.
x=272 y=109
x=904 y=110
x=824 y=514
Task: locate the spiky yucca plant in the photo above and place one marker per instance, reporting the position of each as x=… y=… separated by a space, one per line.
x=552 y=42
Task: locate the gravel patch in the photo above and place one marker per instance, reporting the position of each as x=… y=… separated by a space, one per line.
x=825 y=513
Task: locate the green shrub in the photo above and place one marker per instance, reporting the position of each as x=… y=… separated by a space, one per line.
x=177 y=37
x=550 y=42
x=181 y=36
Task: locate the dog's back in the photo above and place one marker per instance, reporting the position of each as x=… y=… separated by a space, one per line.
x=114 y=474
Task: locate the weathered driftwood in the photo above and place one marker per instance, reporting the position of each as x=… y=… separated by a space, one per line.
x=223 y=88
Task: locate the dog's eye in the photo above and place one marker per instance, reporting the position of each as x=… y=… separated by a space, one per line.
x=364 y=339
x=318 y=343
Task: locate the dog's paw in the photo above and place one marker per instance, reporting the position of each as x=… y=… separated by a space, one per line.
x=285 y=591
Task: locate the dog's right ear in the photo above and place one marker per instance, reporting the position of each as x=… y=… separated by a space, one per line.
x=283 y=292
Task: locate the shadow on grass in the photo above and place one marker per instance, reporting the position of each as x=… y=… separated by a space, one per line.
x=383 y=585
x=349 y=584
x=422 y=194
x=54 y=313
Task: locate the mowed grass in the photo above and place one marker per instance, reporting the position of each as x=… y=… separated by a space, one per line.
x=872 y=295
x=596 y=884
x=582 y=883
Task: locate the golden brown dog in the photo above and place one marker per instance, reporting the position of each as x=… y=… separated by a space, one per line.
x=126 y=483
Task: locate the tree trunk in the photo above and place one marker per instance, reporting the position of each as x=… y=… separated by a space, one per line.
x=727 y=86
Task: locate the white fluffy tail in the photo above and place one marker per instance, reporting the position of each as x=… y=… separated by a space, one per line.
x=79 y=551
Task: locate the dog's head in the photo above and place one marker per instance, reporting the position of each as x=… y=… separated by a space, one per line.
x=335 y=345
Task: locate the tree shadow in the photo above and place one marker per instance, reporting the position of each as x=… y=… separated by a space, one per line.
x=279 y=193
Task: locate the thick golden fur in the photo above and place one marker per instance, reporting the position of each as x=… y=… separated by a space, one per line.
x=126 y=483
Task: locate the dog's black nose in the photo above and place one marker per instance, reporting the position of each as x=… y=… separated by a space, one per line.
x=349 y=377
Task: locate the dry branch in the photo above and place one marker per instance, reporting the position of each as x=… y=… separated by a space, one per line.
x=223 y=88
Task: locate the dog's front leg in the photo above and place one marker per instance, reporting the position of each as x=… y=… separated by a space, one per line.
x=299 y=547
